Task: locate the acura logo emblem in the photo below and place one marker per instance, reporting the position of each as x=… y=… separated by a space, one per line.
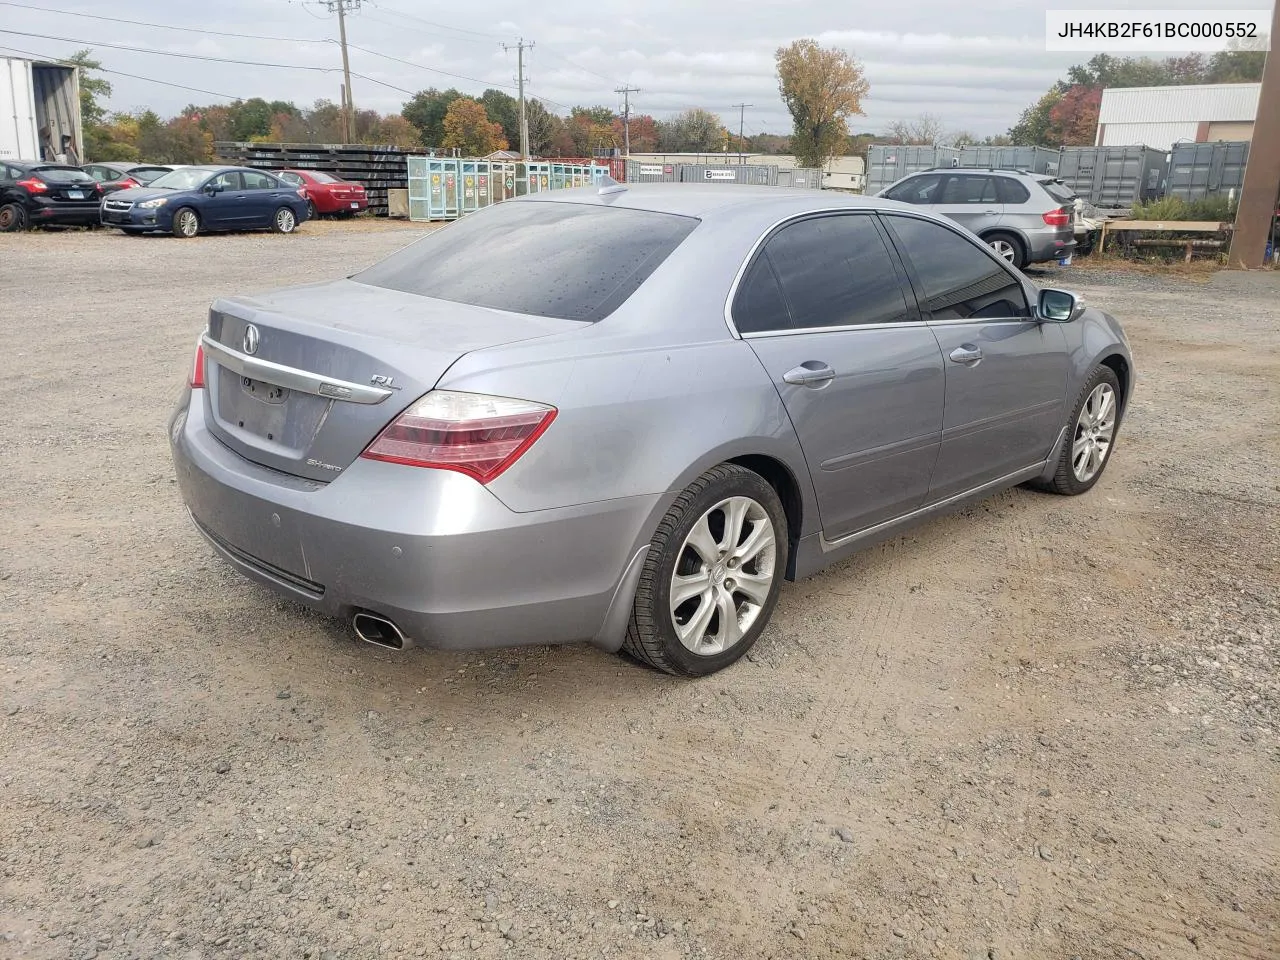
x=251 y=339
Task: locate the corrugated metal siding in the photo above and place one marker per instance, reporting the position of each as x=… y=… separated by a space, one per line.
x=1160 y=136
x=1200 y=170
x=1194 y=103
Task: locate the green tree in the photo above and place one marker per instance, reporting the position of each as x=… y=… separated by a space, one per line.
x=94 y=90
x=543 y=126
x=691 y=131
x=1236 y=66
x=603 y=116
x=426 y=110
x=468 y=129
x=1032 y=128
x=504 y=110
x=822 y=87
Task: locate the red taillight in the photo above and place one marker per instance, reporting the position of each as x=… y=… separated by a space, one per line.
x=128 y=183
x=196 y=380
x=1058 y=218
x=33 y=185
x=471 y=433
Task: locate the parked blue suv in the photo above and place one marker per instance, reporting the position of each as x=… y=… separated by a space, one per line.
x=191 y=200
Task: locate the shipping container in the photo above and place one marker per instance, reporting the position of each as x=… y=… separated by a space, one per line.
x=1030 y=159
x=446 y=188
x=40 y=111
x=888 y=164
x=803 y=178
x=1201 y=170
x=1114 y=178
x=644 y=171
x=758 y=175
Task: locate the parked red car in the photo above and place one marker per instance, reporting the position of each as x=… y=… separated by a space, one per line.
x=326 y=193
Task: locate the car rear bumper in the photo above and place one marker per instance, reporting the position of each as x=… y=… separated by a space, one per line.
x=1051 y=246
x=431 y=550
x=66 y=213
x=340 y=205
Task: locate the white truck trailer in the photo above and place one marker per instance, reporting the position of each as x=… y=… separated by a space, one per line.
x=40 y=111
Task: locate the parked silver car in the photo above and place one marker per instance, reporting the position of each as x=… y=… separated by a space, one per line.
x=1026 y=218
x=625 y=416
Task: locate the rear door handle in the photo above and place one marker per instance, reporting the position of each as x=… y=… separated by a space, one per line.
x=966 y=353
x=811 y=373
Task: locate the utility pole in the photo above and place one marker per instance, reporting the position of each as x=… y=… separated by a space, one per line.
x=340 y=7
x=626 y=117
x=1258 y=198
x=742 y=114
x=521 y=45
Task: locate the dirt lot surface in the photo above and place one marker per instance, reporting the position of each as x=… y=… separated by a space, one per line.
x=1040 y=728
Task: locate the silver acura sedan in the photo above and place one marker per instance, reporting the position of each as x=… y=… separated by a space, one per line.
x=625 y=415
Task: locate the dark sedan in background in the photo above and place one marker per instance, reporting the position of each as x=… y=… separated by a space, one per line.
x=115 y=175
x=193 y=200
x=33 y=194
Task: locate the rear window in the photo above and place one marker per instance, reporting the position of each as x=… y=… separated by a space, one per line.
x=319 y=177
x=1059 y=191
x=60 y=174
x=550 y=259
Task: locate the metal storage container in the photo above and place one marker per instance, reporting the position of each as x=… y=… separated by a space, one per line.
x=803 y=178
x=1200 y=170
x=756 y=174
x=1031 y=159
x=887 y=164
x=1114 y=178
x=638 y=171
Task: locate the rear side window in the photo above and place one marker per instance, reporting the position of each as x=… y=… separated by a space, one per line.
x=550 y=259
x=969 y=189
x=290 y=178
x=1011 y=191
x=1059 y=191
x=759 y=305
x=833 y=271
x=958 y=279
x=259 y=181
x=923 y=189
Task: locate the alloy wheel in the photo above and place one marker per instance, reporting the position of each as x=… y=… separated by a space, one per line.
x=723 y=575
x=285 y=220
x=1095 y=430
x=187 y=223
x=1004 y=249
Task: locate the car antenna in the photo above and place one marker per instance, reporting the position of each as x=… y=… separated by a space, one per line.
x=610 y=186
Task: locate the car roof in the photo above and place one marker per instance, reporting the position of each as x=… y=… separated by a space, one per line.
x=704 y=201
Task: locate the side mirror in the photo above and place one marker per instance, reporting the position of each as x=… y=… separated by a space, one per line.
x=213 y=189
x=1058 y=306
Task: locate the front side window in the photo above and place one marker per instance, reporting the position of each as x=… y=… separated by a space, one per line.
x=227 y=181
x=922 y=189
x=572 y=261
x=832 y=271
x=960 y=280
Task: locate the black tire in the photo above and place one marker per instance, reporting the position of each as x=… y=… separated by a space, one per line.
x=12 y=218
x=651 y=634
x=1065 y=480
x=311 y=210
x=284 y=220
x=185 y=227
x=1016 y=247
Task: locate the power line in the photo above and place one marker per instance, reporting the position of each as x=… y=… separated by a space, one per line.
x=438 y=26
x=425 y=33
x=160 y=26
x=167 y=53
x=574 y=63
x=121 y=73
x=420 y=66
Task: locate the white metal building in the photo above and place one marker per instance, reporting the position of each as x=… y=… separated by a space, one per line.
x=1159 y=117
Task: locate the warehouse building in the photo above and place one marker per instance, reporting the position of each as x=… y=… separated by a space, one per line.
x=1159 y=117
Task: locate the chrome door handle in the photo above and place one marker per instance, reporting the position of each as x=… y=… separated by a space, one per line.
x=811 y=373
x=966 y=354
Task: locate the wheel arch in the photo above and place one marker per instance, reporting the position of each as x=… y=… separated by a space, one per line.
x=1119 y=365
x=784 y=482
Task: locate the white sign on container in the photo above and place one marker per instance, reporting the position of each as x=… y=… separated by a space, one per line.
x=719 y=175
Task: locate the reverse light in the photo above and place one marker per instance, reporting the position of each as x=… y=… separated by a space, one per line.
x=33 y=185
x=1058 y=218
x=470 y=433
x=196 y=378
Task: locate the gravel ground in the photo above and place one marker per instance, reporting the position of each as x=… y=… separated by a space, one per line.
x=1038 y=728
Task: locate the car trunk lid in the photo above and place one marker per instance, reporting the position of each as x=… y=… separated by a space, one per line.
x=303 y=379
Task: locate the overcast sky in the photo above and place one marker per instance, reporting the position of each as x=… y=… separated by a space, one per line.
x=975 y=64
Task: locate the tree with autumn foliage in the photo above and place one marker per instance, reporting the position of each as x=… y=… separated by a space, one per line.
x=822 y=87
x=468 y=129
x=644 y=133
x=1073 y=120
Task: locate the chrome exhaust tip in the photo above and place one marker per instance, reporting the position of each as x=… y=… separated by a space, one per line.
x=379 y=631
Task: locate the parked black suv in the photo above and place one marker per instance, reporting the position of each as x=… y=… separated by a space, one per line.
x=32 y=194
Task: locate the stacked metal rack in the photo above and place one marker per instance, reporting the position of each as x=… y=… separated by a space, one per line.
x=377 y=169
